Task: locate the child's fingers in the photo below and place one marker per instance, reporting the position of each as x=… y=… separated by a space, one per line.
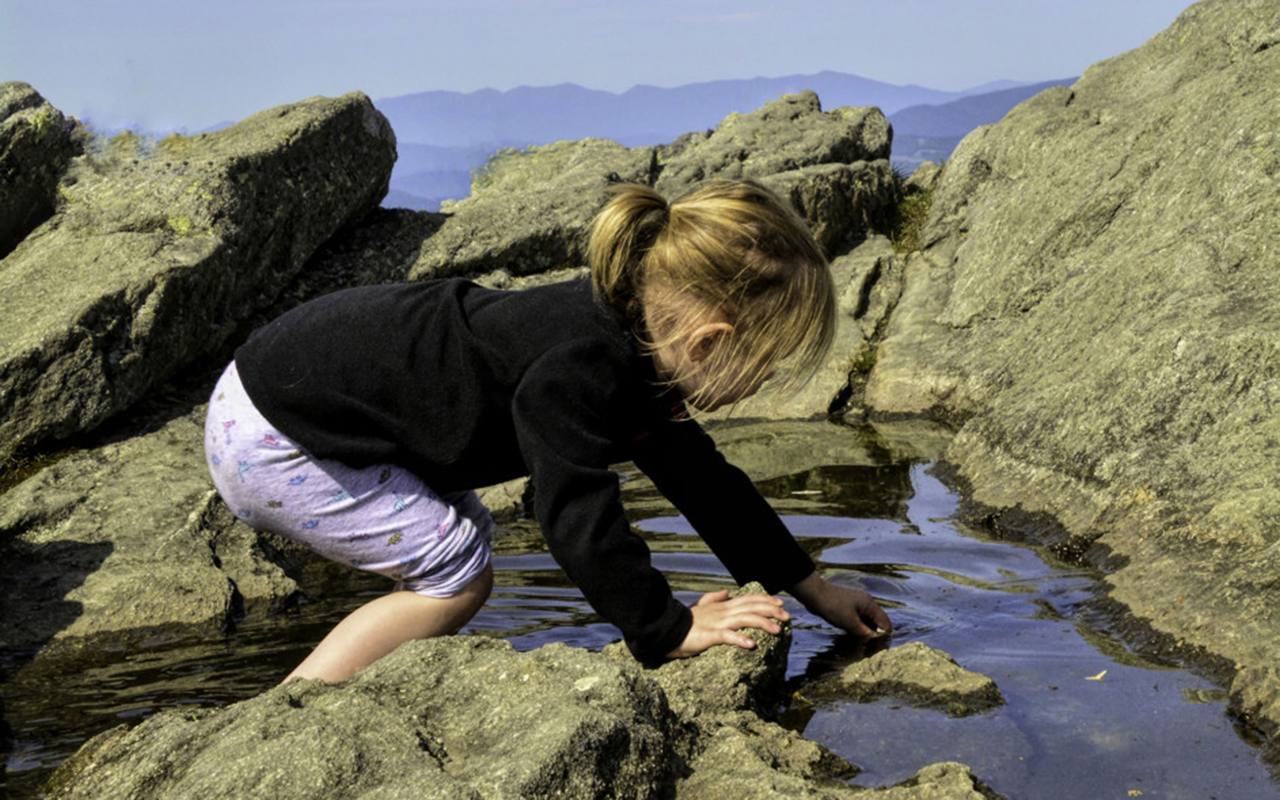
x=859 y=628
x=739 y=640
x=761 y=604
x=713 y=597
x=881 y=620
x=766 y=618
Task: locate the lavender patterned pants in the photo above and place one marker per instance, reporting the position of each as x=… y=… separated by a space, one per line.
x=381 y=519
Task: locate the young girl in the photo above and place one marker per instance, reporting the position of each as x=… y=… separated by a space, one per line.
x=361 y=422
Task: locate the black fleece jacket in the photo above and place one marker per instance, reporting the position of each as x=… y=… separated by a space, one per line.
x=468 y=387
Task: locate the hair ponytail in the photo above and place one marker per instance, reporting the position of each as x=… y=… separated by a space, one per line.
x=621 y=234
x=730 y=250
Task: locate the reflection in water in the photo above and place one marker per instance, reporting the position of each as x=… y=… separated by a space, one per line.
x=864 y=492
x=998 y=608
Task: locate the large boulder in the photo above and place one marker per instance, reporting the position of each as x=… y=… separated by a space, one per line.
x=1096 y=306
x=469 y=717
x=155 y=258
x=789 y=133
x=529 y=211
x=126 y=539
x=842 y=203
x=446 y=718
x=37 y=144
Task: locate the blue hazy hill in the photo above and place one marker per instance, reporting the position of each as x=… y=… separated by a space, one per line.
x=444 y=135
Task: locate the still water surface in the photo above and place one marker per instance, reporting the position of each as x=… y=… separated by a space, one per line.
x=1085 y=717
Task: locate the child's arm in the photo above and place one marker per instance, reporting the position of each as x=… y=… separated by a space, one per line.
x=744 y=532
x=851 y=609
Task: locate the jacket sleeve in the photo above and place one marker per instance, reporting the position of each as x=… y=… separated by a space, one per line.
x=723 y=505
x=564 y=412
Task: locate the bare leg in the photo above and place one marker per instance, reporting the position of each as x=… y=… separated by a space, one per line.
x=380 y=626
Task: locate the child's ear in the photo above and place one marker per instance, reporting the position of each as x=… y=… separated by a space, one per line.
x=702 y=341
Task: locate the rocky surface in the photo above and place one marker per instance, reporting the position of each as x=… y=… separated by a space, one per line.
x=788 y=134
x=1096 y=309
x=529 y=210
x=37 y=142
x=917 y=674
x=154 y=259
x=843 y=203
x=1092 y=307
x=128 y=538
x=469 y=716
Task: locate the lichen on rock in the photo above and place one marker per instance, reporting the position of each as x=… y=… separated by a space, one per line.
x=37 y=143
x=160 y=256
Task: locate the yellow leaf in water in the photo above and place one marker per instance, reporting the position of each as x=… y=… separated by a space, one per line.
x=1135 y=792
x=1097 y=677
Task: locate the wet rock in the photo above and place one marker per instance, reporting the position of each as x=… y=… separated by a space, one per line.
x=743 y=762
x=450 y=717
x=153 y=259
x=468 y=716
x=740 y=765
x=725 y=679
x=1255 y=697
x=128 y=538
x=36 y=144
x=1094 y=305
x=529 y=211
x=917 y=674
x=942 y=781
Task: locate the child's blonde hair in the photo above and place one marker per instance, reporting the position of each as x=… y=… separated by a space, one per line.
x=730 y=248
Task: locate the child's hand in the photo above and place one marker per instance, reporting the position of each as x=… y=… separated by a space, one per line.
x=851 y=609
x=716 y=620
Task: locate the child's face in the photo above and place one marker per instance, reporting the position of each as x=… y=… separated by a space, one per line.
x=685 y=362
x=692 y=390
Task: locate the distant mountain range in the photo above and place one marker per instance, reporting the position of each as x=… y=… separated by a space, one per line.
x=443 y=136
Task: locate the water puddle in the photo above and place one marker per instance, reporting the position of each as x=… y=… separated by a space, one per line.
x=1085 y=717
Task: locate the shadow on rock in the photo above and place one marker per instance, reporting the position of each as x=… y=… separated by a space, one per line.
x=37 y=579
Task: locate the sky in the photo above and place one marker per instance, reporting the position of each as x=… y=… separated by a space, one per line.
x=160 y=65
